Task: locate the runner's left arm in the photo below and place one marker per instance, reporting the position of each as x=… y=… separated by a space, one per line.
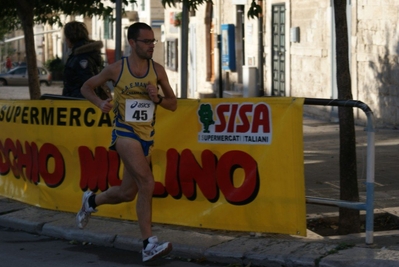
x=169 y=100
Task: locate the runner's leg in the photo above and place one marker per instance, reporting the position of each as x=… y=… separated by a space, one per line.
x=138 y=170
x=126 y=192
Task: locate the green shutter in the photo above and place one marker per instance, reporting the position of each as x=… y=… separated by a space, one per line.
x=108 y=28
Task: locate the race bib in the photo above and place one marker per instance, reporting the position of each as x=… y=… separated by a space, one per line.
x=139 y=110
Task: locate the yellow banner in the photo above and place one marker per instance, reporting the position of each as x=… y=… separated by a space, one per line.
x=232 y=164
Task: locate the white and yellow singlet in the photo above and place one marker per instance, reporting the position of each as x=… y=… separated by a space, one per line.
x=134 y=110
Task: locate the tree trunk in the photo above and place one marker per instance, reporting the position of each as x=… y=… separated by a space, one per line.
x=25 y=13
x=349 y=219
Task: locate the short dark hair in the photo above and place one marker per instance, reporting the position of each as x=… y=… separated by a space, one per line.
x=76 y=31
x=134 y=30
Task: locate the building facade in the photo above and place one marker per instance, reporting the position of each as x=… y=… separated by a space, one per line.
x=288 y=51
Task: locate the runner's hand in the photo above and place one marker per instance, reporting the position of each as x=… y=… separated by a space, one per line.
x=152 y=92
x=106 y=105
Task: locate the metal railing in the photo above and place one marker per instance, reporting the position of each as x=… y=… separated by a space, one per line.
x=368 y=206
x=58 y=97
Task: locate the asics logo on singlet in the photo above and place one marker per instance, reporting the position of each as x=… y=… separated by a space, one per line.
x=139 y=105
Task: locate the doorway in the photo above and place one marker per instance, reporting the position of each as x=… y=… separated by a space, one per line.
x=278 y=50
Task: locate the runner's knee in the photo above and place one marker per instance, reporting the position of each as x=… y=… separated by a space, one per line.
x=147 y=185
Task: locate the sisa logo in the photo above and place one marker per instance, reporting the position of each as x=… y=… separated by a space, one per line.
x=233 y=123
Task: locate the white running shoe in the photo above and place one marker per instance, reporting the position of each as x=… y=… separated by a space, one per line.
x=83 y=216
x=155 y=250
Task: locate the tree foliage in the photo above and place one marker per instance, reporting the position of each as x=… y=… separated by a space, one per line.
x=254 y=11
x=48 y=11
x=24 y=14
x=191 y=4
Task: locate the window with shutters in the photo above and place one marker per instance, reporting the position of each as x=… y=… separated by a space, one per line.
x=108 y=28
x=171 y=54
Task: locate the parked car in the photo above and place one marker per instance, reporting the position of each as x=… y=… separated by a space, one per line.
x=19 y=76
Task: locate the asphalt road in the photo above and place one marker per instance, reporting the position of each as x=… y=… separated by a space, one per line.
x=22 y=92
x=22 y=249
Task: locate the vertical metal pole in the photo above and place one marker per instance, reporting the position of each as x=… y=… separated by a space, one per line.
x=118 y=30
x=370 y=179
x=1 y=55
x=183 y=67
x=261 y=89
x=219 y=43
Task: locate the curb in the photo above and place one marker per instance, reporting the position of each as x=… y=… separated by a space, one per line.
x=214 y=246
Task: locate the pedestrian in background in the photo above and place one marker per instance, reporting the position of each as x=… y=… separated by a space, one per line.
x=136 y=79
x=84 y=60
x=8 y=63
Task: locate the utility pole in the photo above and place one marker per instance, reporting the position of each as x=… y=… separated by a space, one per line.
x=261 y=86
x=118 y=30
x=184 y=52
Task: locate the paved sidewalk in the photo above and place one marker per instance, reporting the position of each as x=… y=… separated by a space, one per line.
x=321 y=176
x=215 y=246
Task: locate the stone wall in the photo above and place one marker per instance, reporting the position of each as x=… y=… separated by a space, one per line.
x=377 y=64
x=310 y=57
